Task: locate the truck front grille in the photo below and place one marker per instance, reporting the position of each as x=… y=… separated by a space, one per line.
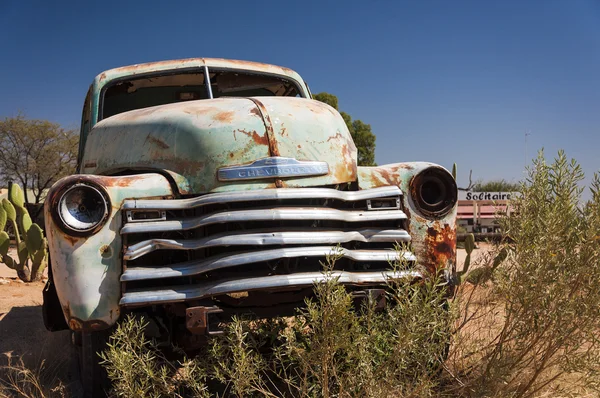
x=259 y=240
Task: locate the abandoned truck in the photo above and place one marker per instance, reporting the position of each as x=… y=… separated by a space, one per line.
x=210 y=187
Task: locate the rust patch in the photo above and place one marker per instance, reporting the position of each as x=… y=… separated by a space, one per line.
x=125 y=181
x=78 y=325
x=257 y=65
x=89 y=165
x=345 y=171
x=337 y=136
x=283 y=131
x=258 y=139
x=225 y=116
x=270 y=133
x=418 y=218
x=255 y=112
x=154 y=65
x=390 y=178
x=199 y=109
x=231 y=155
x=160 y=143
x=299 y=146
x=384 y=176
x=440 y=246
x=105 y=251
x=71 y=239
x=273 y=146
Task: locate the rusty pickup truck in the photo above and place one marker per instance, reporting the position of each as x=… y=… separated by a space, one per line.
x=208 y=187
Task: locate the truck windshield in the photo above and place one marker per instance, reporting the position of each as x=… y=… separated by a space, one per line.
x=161 y=89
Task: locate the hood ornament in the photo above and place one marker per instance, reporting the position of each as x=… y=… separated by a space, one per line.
x=273 y=167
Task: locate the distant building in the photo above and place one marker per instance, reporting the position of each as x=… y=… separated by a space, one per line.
x=477 y=211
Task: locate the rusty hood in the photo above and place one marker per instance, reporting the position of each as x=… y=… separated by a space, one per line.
x=193 y=140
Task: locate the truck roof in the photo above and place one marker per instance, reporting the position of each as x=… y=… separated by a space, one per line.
x=150 y=67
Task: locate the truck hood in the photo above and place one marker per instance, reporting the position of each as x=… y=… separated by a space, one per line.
x=193 y=140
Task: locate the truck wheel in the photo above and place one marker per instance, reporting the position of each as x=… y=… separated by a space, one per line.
x=94 y=379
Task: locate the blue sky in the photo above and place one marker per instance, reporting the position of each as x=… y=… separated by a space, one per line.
x=443 y=81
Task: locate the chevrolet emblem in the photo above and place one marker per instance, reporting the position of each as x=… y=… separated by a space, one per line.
x=273 y=167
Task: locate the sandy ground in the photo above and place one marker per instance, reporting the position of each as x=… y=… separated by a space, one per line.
x=23 y=335
x=476 y=257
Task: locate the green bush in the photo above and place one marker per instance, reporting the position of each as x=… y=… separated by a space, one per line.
x=536 y=329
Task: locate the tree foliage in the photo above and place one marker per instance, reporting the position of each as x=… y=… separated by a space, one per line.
x=496 y=186
x=35 y=153
x=363 y=137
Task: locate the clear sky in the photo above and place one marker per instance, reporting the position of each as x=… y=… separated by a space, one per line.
x=443 y=81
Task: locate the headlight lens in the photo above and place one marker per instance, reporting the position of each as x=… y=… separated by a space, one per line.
x=434 y=192
x=82 y=208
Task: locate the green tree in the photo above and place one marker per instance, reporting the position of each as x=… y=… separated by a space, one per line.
x=496 y=186
x=361 y=133
x=35 y=153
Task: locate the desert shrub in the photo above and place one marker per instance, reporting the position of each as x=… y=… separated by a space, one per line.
x=20 y=380
x=332 y=348
x=535 y=326
x=138 y=368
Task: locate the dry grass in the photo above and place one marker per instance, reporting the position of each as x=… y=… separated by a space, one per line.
x=19 y=380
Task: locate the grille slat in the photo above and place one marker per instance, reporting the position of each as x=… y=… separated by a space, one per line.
x=189 y=268
x=276 y=236
x=279 y=214
x=262 y=195
x=214 y=288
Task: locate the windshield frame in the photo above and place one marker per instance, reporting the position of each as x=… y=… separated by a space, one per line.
x=204 y=69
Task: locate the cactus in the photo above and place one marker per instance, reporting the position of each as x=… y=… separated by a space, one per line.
x=483 y=274
x=454 y=171
x=469 y=247
x=32 y=247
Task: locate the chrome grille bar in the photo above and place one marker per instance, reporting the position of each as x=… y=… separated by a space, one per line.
x=213 y=288
x=196 y=267
x=274 y=214
x=262 y=195
x=278 y=236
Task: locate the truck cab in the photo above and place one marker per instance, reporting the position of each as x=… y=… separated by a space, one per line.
x=207 y=188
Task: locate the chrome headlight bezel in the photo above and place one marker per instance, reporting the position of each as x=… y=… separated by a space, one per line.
x=81 y=221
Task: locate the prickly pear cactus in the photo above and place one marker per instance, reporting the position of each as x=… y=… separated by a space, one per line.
x=32 y=246
x=469 y=247
x=480 y=275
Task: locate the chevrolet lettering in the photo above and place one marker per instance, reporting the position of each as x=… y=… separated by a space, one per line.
x=273 y=167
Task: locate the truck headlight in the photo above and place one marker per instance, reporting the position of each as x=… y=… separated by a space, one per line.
x=82 y=209
x=434 y=191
